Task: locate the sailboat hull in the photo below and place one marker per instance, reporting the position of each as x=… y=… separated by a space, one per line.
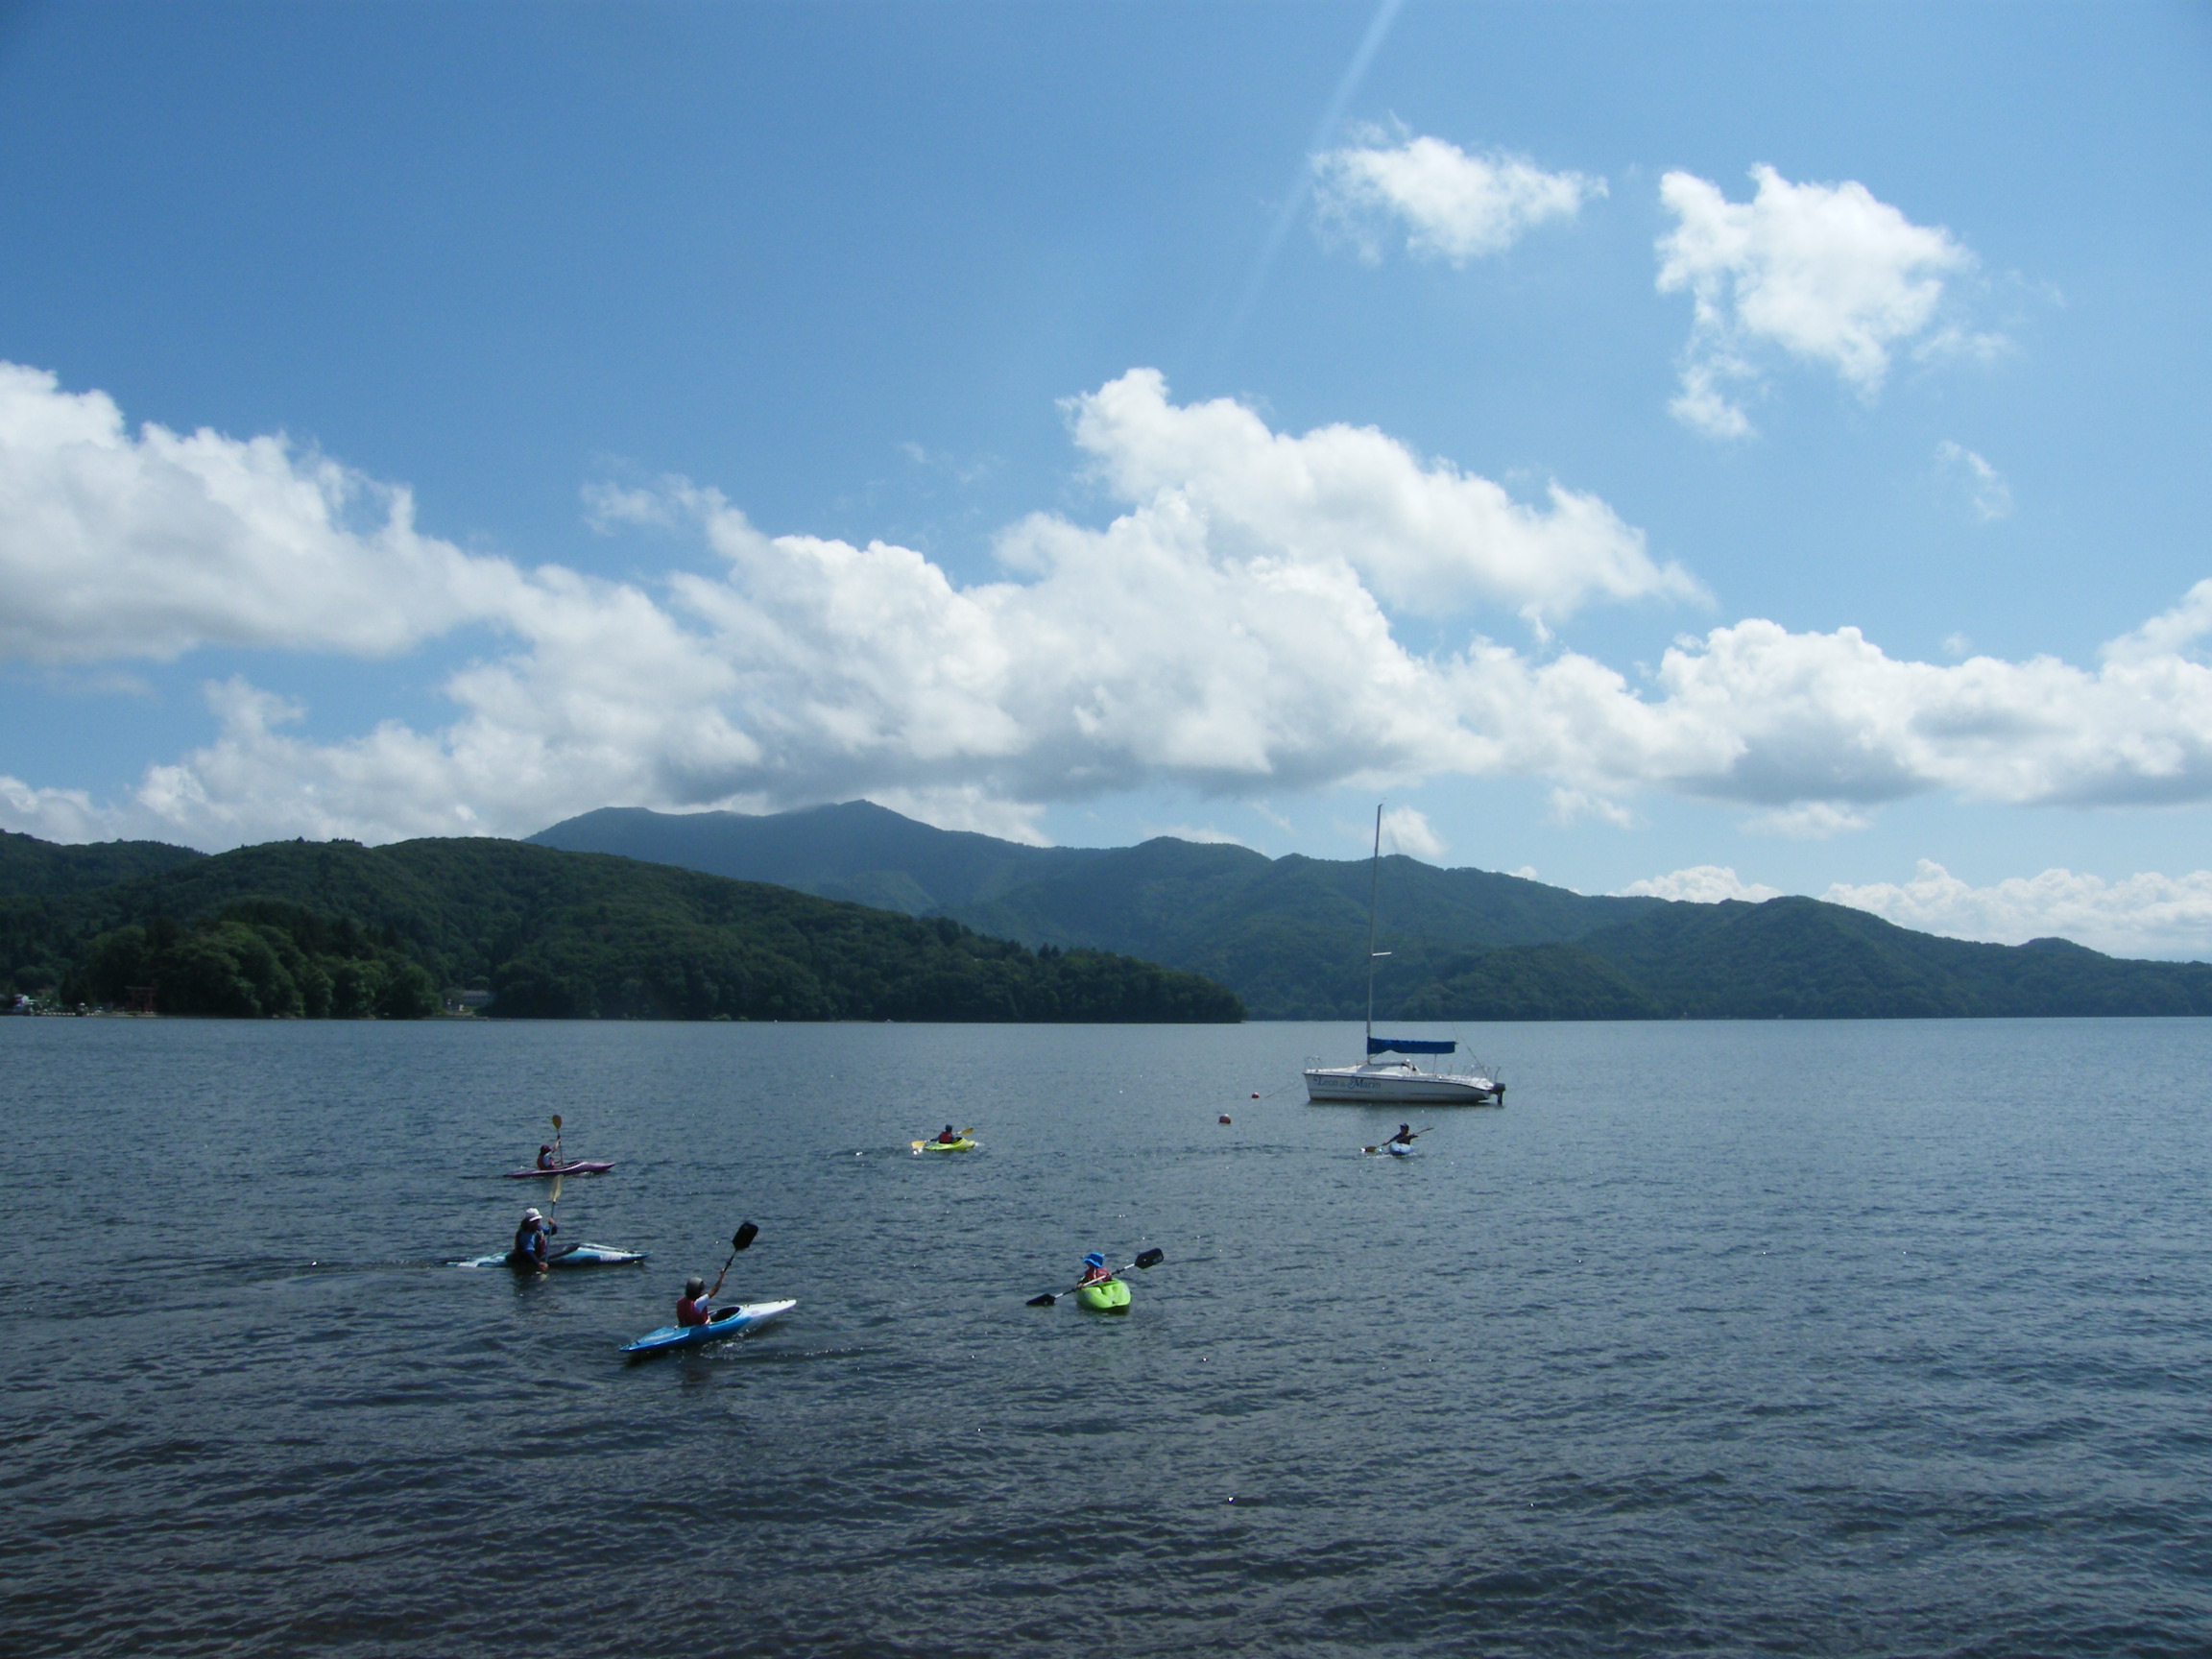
x=1398 y=1086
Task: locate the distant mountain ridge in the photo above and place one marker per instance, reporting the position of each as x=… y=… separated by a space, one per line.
x=335 y=929
x=1288 y=935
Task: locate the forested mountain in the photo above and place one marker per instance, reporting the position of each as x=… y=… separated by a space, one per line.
x=1289 y=935
x=29 y=865
x=295 y=928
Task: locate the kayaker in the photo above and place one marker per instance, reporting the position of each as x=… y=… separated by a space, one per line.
x=1094 y=1270
x=948 y=1138
x=1404 y=1137
x=692 y=1306
x=532 y=1241
x=547 y=1158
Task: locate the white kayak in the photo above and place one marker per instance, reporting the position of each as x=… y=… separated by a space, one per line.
x=575 y=1255
x=725 y=1322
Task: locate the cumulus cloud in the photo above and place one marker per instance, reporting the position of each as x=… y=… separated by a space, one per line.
x=1452 y=205
x=1702 y=885
x=1420 y=536
x=1986 y=492
x=148 y=544
x=1822 y=273
x=1228 y=631
x=2145 y=915
x=1408 y=829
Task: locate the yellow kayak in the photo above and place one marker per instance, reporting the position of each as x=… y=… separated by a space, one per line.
x=963 y=1144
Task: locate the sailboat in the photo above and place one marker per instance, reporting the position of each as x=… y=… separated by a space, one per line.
x=1396 y=1082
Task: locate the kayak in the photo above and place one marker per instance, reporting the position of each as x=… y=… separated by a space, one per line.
x=1108 y=1296
x=963 y=1144
x=581 y=1256
x=579 y=1167
x=725 y=1322
x=1397 y=1151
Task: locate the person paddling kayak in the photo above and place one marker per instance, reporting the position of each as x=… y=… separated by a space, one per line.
x=1094 y=1270
x=548 y=1159
x=948 y=1138
x=533 y=1241
x=1404 y=1137
x=693 y=1307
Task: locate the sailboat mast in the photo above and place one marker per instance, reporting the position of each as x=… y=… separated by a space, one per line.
x=1374 y=888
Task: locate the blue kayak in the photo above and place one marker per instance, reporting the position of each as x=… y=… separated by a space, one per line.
x=727 y=1322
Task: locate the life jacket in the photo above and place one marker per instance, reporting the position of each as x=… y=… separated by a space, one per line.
x=530 y=1241
x=1096 y=1275
x=691 y=1313
x=547 y=1160
x=947 y=1139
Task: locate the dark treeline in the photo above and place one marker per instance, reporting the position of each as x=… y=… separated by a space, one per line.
x=339 y=930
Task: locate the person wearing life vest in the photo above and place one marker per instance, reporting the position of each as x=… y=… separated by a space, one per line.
x=533 y=1245
x=948 y=1138
x=547 y=1158
x=693 y=1307
x=1094 y=1270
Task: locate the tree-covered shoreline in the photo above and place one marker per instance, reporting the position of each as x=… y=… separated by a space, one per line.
x=335 y=929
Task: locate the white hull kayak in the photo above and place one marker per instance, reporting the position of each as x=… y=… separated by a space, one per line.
x=581 y=1256
x=1400 y=1083
x=725 y=1322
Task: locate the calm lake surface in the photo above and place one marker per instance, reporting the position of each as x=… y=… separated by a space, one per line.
x=1808 y=1338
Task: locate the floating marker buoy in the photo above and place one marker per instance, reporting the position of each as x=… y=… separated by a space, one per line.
x=1224 y=1117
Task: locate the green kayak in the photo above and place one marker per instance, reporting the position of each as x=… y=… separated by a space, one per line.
x=1107 y=1296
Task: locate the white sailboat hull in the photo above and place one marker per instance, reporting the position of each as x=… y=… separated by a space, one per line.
x=1400 y=1085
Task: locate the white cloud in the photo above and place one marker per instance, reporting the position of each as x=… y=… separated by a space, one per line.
x=1807 y=821
x=114 y=545
x=1569 y=806
x=1227 y=633
x=1408 y=829
x=1986 y=491
x=1454 y=206
x=1343 y=499
x=2145 y=915
x=1702 y=885
x=1824 y=273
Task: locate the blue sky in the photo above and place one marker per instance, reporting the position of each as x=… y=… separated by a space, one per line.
x=1048 y=419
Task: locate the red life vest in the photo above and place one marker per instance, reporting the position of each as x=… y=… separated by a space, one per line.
x=691 y=1313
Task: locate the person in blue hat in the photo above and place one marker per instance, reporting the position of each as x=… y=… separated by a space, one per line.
x=1094 y=1270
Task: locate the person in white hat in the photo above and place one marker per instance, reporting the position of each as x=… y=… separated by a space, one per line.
x=533 y=1241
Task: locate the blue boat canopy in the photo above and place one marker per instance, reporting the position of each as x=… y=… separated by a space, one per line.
x=1407 y=1045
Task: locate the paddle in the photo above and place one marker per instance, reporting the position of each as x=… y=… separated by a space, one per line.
x=557 y=1138
x=741 y=1239
x=1415 y=1136
x=1148 y=1259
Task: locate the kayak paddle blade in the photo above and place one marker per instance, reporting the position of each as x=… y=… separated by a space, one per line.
x=1152 y=1258
x=1045 y=1301
x=744 y=1237
x=556 y=1122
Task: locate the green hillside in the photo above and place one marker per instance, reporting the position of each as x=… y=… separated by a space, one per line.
x=857 y=851
x=30 y=866
x=1289 y=935
x=337 y=928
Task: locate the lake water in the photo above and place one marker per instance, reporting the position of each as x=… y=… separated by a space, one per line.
x=1807 y=1338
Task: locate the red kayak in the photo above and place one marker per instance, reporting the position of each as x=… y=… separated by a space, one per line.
x=579 y=1167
